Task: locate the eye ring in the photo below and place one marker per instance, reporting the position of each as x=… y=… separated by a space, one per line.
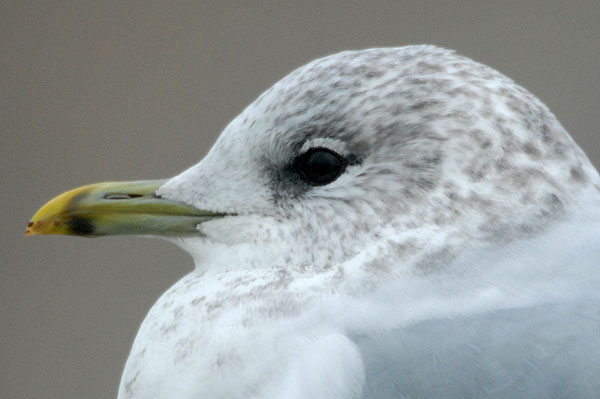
x=320 y=166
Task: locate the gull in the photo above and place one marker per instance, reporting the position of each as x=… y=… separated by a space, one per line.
x=384 y=223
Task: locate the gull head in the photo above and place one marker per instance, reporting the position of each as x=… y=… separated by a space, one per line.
x=381 y=150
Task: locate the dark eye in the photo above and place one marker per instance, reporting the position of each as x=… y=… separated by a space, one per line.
x=320 y=166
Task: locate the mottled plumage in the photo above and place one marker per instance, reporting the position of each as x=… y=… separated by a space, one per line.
x=456 y=256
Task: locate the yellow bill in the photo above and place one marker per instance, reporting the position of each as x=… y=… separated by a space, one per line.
x=116 y=209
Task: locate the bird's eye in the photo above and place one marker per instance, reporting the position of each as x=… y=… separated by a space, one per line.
x=320 y=166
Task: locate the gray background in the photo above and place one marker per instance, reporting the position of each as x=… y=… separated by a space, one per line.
x=96 y=91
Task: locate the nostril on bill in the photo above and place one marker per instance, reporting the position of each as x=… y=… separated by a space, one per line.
x=119 y=196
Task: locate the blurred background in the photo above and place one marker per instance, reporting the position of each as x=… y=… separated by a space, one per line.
x=112 y=90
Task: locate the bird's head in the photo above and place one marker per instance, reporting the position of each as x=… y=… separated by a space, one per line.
x=345 y=150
